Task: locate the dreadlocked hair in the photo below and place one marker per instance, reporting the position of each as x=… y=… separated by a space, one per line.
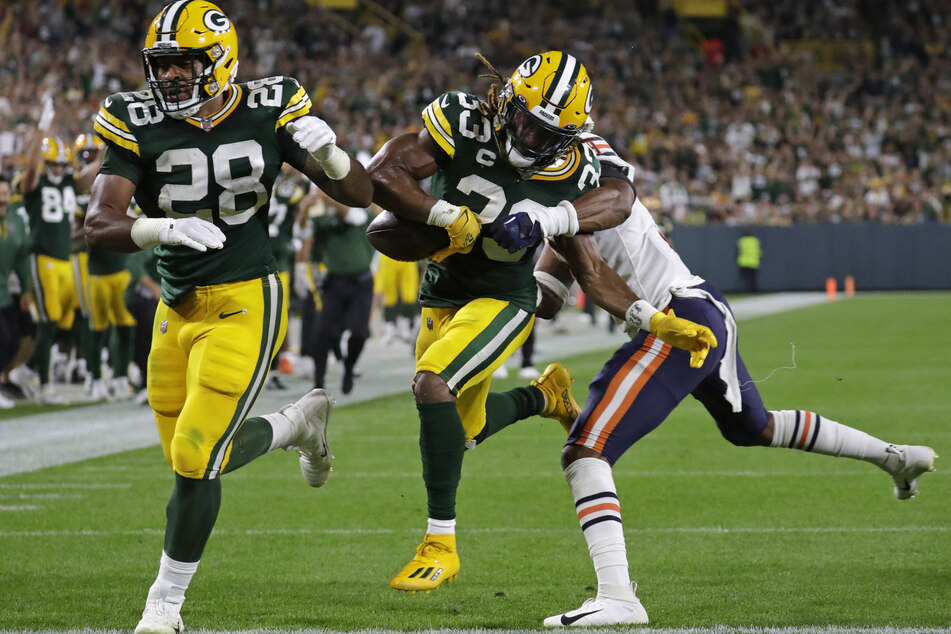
x=492 y=104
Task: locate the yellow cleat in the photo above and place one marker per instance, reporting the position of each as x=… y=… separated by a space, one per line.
x=555 y=383
x=436 y=561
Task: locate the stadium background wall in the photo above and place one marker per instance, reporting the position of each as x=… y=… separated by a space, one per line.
x=802 y=257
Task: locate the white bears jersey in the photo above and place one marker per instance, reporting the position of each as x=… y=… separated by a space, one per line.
x=636 y=248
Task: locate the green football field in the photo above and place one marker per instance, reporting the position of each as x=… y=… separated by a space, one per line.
x=717 y=535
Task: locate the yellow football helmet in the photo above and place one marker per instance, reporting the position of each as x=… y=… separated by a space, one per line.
x=55 y=151
x=197 y=37
x=546 y=106
x=86 y=147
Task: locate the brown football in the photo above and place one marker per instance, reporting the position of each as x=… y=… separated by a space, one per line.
x=405 y=240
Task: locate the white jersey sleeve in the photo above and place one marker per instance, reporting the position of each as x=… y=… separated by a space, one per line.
x=637 y=250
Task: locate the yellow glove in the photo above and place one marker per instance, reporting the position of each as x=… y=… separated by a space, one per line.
x=684 y=334
x=463 y=233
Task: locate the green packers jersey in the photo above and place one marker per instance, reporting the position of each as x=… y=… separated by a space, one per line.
x=340 y=242
x=14 y=254
x=50 y=207
x=284 y=199
x=221 y=168
x=477 y=176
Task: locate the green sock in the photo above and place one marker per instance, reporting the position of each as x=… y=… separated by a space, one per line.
x=252 y=439
x=40 y=361
x=504 y=408
x=125 y=340
x=190 y=516
x=442 y=444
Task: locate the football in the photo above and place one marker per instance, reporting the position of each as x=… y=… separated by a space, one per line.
x=405 y=240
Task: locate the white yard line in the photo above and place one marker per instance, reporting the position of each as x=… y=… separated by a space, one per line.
x=35 y=442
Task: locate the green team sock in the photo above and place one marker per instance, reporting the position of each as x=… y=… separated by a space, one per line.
x=40 y=360
x=252 y=439
x=442 y=444
x=96 y=344
x=389 y=313
x=190 y=516
x=125 y=340
x=504 y=408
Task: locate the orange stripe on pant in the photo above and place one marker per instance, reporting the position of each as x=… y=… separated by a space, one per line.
x=630 y=367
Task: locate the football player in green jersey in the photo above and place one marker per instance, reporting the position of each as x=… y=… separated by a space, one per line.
x=201 y=152
x=49 y=196
x=512 y=160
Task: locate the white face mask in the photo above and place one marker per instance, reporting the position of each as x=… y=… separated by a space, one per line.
x=515 y=158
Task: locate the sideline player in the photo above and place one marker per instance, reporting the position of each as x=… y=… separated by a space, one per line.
x=201 y=154
x=515 y=154
x=49 y=197
x=642 y=383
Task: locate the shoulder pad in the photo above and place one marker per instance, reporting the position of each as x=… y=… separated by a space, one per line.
x=607 y=155
x=121 y=113
x=455 y=115
x=282 y=93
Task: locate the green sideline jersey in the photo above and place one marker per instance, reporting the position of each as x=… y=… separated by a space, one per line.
x=474 y=174
x=14 y=254
x=340 y=242
x=284 y=199
x=50 y=207
x=221 y=168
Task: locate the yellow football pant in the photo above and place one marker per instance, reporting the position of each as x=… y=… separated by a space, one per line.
x=209 y=360
x=465 y=345
x=397 y=281
x=54 y=290
x=107 y=301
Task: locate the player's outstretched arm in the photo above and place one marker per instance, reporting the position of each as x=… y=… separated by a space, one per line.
x=107 y=226
x=609 y=291
x=396 y=171
x=338 y=174
x=605 y=206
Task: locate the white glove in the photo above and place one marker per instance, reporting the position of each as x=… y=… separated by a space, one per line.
x=301 y=280
x=314 y=135
x=46 y=116
x=195 y=233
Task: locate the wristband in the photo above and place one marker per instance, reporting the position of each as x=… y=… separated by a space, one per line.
x=336 y=165
x=146 y=231
x=443 y=214
x=639 y=315
x=553 y=284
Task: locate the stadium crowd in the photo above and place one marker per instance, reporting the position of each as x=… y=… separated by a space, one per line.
x=757 y=132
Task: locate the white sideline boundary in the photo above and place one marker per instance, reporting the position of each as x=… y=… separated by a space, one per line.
x=716 y=629
x=30 y=443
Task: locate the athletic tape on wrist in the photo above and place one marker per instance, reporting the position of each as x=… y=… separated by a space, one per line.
x=145 y=231
x=443 y=213
x=639 y=315
x=337 y=165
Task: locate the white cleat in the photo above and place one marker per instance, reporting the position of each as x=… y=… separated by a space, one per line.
x=25 y=379
x=601 y=611
x=310 y=416
x=912 y=461
x=160 y=617
x=47 y=395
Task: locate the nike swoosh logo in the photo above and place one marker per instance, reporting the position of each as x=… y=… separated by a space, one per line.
x=243 y=311
x=568 y=620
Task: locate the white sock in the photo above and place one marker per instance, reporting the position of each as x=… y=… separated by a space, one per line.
x=282 y=430
x=440 y=527
x=599 y=514
x=799 y=429
x=173 y=579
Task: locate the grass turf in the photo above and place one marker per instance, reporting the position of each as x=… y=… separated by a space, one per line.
x=716 y=534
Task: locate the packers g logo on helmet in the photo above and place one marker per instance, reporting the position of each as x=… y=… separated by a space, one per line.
x=546 y=107
x=195 y=37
